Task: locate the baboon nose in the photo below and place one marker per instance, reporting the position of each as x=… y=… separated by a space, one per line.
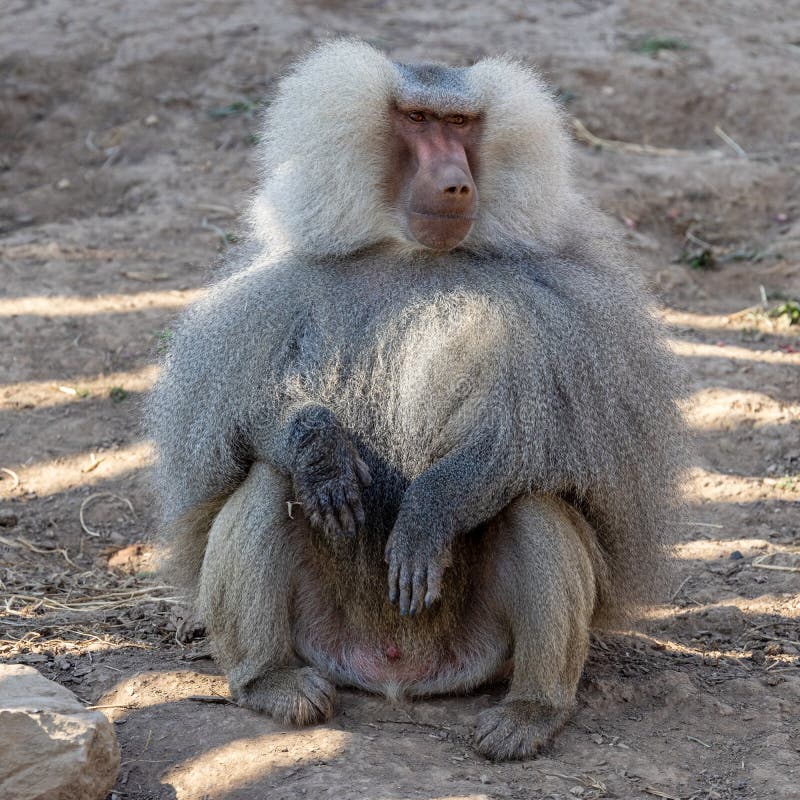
x=455 y=183
x=458 y=188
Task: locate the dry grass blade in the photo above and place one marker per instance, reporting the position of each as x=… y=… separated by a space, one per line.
x=94 y=463
x=216 y=699
x=145 y=277
x=758 y=563
x=14 y=477
x=659 y=793
x=108 y=601
x=90 y=499
x=587 y=780
x=703 y=524
x=734 y=145
x=20 y=542
x=583 y=134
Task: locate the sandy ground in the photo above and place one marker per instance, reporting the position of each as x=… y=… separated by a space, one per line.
x=126 y=149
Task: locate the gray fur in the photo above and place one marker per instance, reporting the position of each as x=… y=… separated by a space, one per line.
x=525 y=361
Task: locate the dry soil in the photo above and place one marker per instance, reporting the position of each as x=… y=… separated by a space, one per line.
x=127 y=134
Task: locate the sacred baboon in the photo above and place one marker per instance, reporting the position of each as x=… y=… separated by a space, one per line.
x=427 y=361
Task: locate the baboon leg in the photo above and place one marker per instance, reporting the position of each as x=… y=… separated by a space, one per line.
x=246 y=584
x=544 y=581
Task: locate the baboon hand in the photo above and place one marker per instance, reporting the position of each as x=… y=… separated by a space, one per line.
x=328 y=480
x=416 y=564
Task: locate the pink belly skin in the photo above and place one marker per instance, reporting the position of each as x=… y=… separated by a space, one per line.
x=386 y=669
x=386 y=664
x=384 y=653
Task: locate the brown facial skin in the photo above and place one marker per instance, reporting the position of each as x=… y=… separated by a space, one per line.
x=433 y=162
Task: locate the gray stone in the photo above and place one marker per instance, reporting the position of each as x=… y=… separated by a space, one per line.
x=51 y=746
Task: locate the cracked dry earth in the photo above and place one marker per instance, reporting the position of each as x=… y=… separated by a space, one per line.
x=126 y=147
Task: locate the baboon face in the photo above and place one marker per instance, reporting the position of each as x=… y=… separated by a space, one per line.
x=432 y=169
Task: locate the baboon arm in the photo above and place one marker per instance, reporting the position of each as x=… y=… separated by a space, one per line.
x=462 y=490
x=467 y=487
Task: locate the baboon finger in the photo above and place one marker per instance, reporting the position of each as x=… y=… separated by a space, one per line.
x=338 y=497
x=321 y=512
x=354 y=500
x=394 y=577
x=320 y=500
x=405 y=589
x=362 y=470
x=434 y=584
x=419 y=583
x=331 y=525
x=346 y=521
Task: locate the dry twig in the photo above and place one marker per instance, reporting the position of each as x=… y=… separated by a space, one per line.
x=91 y=498
x=583 y=134
x=758 y=563
x=13 y=475
x=658 y=793
x=730 y=142
x=20 y=542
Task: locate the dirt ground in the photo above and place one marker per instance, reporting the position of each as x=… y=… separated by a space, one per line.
x=127 y=134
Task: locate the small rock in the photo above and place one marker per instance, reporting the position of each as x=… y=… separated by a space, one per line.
x=151 y=120
x=8 y=520
x=736 y=555
x=53 y=748
x=577 y=791
x=64 y=183
x=485 y=779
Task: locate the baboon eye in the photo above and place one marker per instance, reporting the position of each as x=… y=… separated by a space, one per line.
x=416 y=116
x=456 y=119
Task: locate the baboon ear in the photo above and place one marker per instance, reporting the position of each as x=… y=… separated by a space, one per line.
x=526 y=183
x=323 y=153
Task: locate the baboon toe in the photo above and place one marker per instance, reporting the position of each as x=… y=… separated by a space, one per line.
x=517 y=729
x=292 y=696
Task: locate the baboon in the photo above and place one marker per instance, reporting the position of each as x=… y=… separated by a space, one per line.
x=422 y=432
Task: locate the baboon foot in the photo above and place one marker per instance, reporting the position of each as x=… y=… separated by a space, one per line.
x=517 y=729
x=291 y=696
